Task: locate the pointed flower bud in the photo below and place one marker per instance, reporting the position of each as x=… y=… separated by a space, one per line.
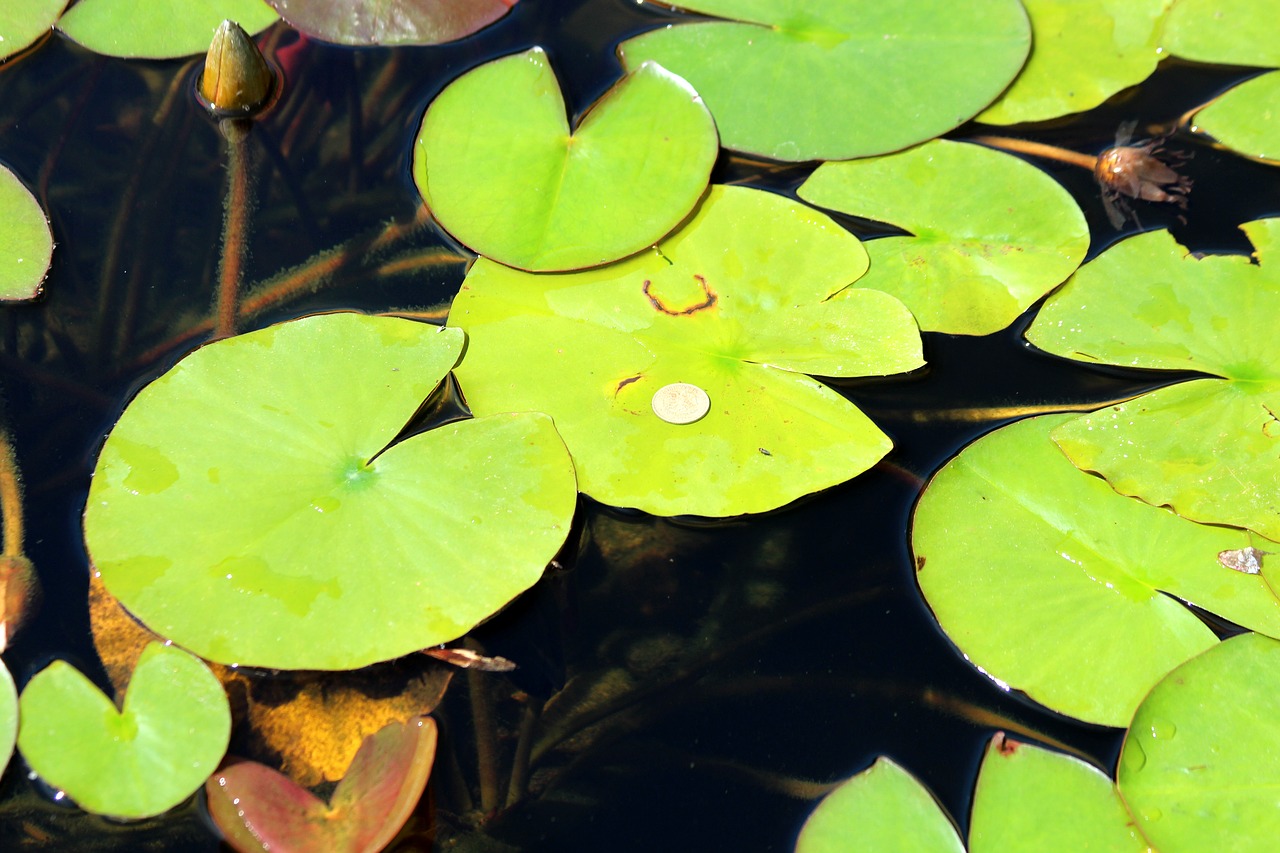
x=237 y=81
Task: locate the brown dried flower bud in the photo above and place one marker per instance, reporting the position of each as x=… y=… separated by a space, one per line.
x=237 y=81
x=1146 y=171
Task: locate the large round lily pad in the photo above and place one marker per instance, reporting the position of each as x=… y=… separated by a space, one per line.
x=22 y=23
x=1200 y=766
x=1246 y=118
x=1053 y=584
x=158 y=29
x=1002 y=235
x=26 y=243
x=244 y=505
x=746 y=298
x=1209 y=448
x=835 y=79
x=502 y=172
x=132 y=762
x=389 y=22
x=1232 y=32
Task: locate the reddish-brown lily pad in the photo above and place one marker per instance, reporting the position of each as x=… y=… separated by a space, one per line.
x=373 y=22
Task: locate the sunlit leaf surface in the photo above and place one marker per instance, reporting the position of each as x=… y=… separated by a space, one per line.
x=26 y=244
x=21 y=23
x=803 y=80
x=390 y=22
x=1231 y=32
x=1002 y=235
x=158 y=29
x=1246 y=118
x=8 y=716
x=1209 y=448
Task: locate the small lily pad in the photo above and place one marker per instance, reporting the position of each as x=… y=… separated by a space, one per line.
x=746 y=298
x=502 y=172
x=1002 y=235
x=1200 y=765
x=22 y=23
x=841 y=78
x=883 y=809
x=1246 y=118
x=390 y=22
x=8 y=716
x=26 y=243
x=1055 y=585
x=257 y=471
x=258 y=808
x=133 y=762
x=1209 y=448
x=158 y=29
x=1230 y=32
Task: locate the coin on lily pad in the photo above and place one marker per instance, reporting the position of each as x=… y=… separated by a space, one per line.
x=747 y=297
x=251 y=506
x=135 y=761
x=501 y=170
x=26 y=244
x=158 y=29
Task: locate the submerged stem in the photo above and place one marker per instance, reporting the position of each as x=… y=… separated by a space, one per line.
x=10 y=498
x=1039 y=149
x=235 y=226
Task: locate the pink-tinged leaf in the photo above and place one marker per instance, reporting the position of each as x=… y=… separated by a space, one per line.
x=387 y=22
x=258 y=808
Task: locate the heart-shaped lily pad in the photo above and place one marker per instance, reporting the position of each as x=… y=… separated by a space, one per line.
x=738 y=303
x=388 y=22
x=1053 y=584
x=137 y=761
x=501 y=171
x=26 y=244
x=1231 y=32
x=23 y=23
x=259 y=809
x=255 y=472
x=158 y=29
x=1002 y=235
x=1209 y=448
x=1245 y=118
x=841 y=78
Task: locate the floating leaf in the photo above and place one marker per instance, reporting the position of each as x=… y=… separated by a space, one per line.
x=1201 y=763
x=498 y=166
x=390 y=22
x=1054 y=584
x=841 y=78
x=158 y=29
x=1002 y=235
x=883 y=808
x=1209 y=448
x=22 y=23
x=738 y=302
x=1029 y=798
x=8 y=716
x=1246 y=119
x=255 y=472
x=1083 y=52
x=133 y=762
x=1231 y=32
x=26 y=244
x=259 y=809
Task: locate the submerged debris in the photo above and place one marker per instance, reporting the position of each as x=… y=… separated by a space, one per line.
x=1146 y=170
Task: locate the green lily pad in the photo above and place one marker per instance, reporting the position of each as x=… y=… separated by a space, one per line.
x=255 y=472
x=883 y=808
x=1053 y=584
x=1231 y=32
x=738 y=303
x=158 y=29
x=1246 y=119
x=1030 y=798
x=258 y=808
x=390 y=22
x=1201 y=763
x=840 y=78
x=1209 y=448
x=1083 y=52
x=26 y=244
x=978 y=255
x=22 y=23
x=133 y=762
x=501 y=171
x=8 y=716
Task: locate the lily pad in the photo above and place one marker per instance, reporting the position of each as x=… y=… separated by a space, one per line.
x=8 y=716
x=1083 y=52
x=502 y=172
x=883 y=808
x=1201 y=763
x=158 y=29
x=1209 y=448
x=738 y=303
x=1231 y=32
x=1030 y=798
x=133 y=762
x=258 y=808
x=1053 y=584
x=1002 y=235
x=22 y=23
x=837 y=79
x=1246 y=119
x=390 y=22
x=257 y=471
x=26 y=244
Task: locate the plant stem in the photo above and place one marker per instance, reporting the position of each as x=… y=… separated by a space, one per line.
x=1039 y=149
x=235 y=226
x=518 y=785
x=486 y=739
x=10 y=498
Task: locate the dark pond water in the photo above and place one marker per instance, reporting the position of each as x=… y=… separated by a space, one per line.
x=728 y=666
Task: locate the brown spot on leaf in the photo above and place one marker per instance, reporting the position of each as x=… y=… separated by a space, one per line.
x=708 y=300
x=1005 y=744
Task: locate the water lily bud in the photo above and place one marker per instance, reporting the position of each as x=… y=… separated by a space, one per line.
x=237 y=82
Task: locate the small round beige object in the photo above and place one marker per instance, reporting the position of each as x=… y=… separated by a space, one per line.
x=680 y=403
